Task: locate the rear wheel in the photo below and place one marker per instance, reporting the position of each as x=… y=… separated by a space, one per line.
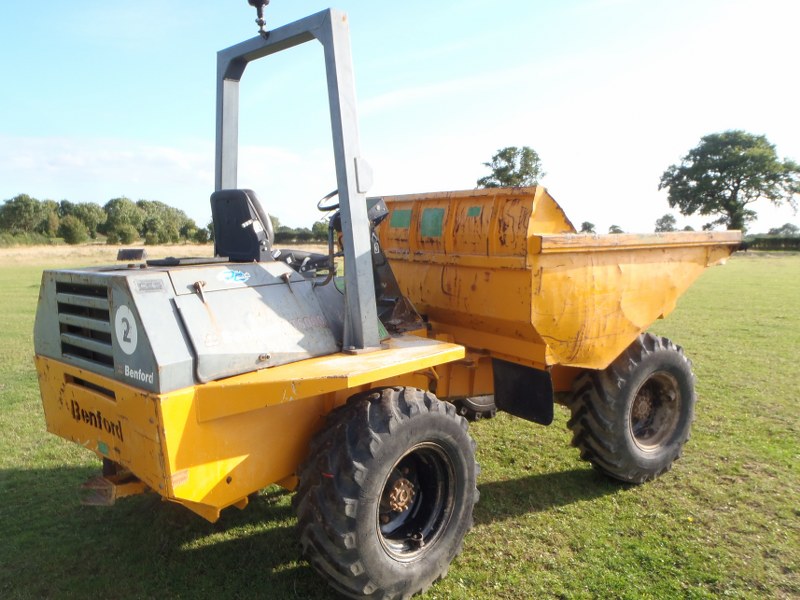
x=386 y=496
x=632 y=420
x=473 y=408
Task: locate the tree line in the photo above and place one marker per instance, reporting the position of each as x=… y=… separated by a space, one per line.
x=118 y=221
x=24 y=219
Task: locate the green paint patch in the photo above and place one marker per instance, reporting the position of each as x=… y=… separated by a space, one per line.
x=432 y=219
x=474 y=211
x=401 y=219
x=102 y=447
x=382 y=333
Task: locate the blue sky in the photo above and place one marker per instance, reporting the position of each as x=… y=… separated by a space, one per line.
x=103 y=99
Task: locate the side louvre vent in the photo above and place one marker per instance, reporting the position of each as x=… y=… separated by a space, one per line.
x=85 y=322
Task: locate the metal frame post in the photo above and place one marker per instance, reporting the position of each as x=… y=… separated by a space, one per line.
x=329 y=27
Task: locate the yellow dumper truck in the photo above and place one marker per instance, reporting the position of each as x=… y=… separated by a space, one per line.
x=206 y=380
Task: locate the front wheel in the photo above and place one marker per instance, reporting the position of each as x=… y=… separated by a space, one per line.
x=386 y=496
x=632 y=419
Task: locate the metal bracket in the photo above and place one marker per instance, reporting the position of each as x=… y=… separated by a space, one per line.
x=106 y=490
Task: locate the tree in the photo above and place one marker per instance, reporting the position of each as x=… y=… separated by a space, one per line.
x=127 y=234
x=513 y=167
x=725 y=173
x=48 y=218
x=615 y=229
x=49 y=225
x=587 y=227
x=787 y=229
x=162 y=223
x=121 y=212
x=665 y=223
x=73 y=230
x=92 y=215
x=188 y=229
x=320 y=231
x=201 y=235
x=20 y=214
x=65 y=207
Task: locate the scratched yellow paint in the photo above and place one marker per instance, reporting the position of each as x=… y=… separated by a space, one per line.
x=509 y=275
x=209 y=446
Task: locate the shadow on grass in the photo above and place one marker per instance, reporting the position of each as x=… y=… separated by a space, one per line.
x=143 y=547
x=508 y=499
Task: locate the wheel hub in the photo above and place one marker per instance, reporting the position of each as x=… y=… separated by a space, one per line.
x=642 y=405
x=655 y=411
x=416 y=502
x=401 y=495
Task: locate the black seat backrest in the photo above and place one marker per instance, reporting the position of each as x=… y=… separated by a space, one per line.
x=242 y=229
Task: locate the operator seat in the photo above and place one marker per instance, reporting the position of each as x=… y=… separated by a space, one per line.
x=242 y=229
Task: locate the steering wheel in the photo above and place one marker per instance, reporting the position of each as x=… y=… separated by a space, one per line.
x=328 y=207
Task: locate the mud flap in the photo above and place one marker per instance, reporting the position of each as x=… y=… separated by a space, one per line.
x=523 y=391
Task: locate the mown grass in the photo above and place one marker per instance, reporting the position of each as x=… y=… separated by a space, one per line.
x=725 y=522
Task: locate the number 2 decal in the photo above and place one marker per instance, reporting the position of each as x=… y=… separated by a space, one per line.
x=125 y=329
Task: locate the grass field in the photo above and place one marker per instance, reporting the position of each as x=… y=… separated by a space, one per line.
x=724 y=522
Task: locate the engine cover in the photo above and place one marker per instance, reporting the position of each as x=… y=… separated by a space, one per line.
x=164 y=328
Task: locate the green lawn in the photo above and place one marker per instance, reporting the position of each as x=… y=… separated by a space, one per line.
x=724 y=522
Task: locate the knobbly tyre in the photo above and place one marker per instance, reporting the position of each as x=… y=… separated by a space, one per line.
x=205 y=380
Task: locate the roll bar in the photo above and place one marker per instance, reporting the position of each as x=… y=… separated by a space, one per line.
x=353 y=175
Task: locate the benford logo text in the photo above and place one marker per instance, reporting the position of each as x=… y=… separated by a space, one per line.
x=139 y=375
x=96 y=419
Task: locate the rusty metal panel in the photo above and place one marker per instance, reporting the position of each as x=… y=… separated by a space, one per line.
x=509 y=275
x=241 y=329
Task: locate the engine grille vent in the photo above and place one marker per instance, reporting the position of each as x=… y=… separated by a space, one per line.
x=85 y=322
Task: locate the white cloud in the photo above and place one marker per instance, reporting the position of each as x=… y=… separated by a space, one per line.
x=95 y=170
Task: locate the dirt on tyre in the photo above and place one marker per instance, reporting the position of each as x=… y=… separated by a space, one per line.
x=386 y=495
x=632 y=419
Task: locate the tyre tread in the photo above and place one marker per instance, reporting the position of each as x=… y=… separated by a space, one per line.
x=598 y=401
x=333 y=476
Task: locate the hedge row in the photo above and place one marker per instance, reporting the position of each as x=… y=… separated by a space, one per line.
x=769 y=242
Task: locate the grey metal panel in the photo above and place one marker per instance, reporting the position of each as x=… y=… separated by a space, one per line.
x=161 y=360
x=331 y=29
x=46 y=328
x=79 y=300
x=232 y=276
x=88 y=343
x=137 y=368
x=166 y=343
x=331 y=300
x=88 y=365
x=235 y=331
x=77 y=321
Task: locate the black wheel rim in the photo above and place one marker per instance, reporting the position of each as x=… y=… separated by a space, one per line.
x=416 y=501
x=655 y=411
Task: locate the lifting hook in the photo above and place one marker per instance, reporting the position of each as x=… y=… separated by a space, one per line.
x=259 y=6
